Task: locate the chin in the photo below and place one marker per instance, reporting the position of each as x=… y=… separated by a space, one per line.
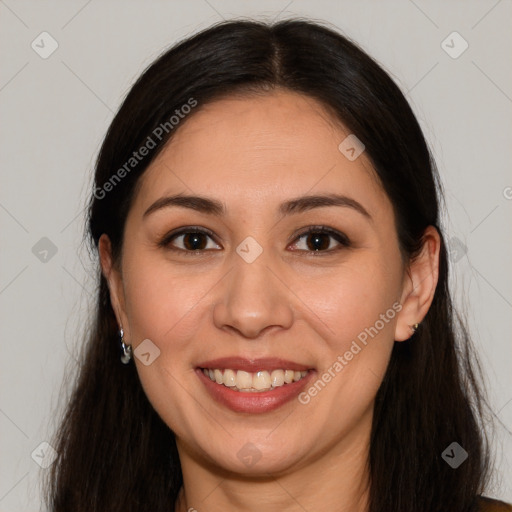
x=257 y=460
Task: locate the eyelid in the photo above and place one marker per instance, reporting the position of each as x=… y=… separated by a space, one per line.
x=319 y=229
x=340 y=237
x=165 y=241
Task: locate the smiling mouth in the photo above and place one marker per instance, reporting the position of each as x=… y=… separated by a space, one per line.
x=253 y=382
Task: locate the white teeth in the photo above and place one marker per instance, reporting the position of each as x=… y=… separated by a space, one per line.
x=277 y=378
x=229 y=378
x=218 y=376
x=243 y=380
x=253 y=382
x=261 y=381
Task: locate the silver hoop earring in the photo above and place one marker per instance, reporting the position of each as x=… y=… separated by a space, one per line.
x=127 y=349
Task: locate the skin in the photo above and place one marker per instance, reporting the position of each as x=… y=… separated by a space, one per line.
x=252 y=153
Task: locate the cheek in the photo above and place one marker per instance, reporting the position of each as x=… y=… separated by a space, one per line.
x=164 y=306
x=360 y=309
x=356 y=301
x=160 y=302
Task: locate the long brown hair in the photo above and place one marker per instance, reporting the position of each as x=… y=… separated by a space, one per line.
x=114 y=451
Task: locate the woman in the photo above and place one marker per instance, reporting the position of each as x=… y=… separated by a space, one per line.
x=274 y=329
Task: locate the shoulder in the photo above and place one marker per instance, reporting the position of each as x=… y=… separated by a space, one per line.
x=491 y=505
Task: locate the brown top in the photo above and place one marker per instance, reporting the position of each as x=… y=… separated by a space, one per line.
x=492 y=505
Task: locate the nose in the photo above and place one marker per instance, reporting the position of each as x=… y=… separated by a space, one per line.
x=253 y=299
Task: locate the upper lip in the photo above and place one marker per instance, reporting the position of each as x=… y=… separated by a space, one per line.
x=253 y=365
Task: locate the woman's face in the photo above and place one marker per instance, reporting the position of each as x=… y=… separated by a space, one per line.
x=234 y=276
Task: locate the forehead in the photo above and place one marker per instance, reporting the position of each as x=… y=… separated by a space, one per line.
x=249 y=147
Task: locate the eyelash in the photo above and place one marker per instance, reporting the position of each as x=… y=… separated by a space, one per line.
x=341 y=238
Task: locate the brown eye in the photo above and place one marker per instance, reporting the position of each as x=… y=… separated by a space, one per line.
x=188 y=241
x=194 y=241
x=322 y=239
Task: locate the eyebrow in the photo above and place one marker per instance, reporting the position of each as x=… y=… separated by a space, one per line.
x=298 y=205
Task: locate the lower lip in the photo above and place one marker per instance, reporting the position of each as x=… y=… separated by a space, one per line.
x=254 y=402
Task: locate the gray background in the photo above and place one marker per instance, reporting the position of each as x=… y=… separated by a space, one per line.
x=55 y=112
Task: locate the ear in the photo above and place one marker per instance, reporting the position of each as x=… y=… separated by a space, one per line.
x=115 y=282
x=419 y=285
